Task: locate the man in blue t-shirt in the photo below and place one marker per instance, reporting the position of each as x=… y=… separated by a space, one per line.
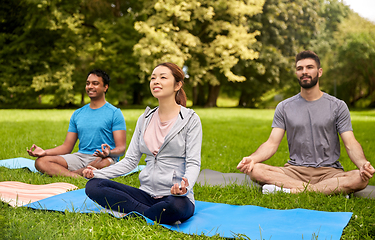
x=99 y=127
x=312 y=120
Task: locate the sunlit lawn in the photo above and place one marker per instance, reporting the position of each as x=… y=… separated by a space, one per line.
x=228 y=135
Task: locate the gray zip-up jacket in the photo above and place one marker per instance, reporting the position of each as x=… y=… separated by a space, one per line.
x=180 y=152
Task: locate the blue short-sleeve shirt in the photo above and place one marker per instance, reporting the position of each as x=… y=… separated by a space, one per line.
x=96 y=126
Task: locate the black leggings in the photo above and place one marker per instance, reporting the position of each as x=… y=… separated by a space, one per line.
x=122 y=198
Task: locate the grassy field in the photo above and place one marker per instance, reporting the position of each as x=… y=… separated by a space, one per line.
x=228 y=135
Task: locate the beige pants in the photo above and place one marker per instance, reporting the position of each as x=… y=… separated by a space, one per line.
x=310 y=174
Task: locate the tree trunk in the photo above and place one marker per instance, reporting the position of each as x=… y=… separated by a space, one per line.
x=246 y=100
x=242 y=101
x=82 y=98
x=137 y=96
x=199 y=95
x=213 y=94
x=372 y=91
x=195 y=95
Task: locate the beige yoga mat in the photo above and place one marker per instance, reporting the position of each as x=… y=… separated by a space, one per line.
x=18 y=193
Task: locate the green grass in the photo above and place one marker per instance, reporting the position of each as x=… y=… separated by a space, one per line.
x=229 y=134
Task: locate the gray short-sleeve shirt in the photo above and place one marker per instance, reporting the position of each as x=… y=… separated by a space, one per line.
x=312 y=129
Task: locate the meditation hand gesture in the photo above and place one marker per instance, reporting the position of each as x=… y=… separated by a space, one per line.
x=36 y=151
x=246 y=165
x=366 y=171
x=106 y=150
x=177 y=190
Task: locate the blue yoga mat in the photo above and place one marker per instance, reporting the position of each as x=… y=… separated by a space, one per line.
x=226 y=220
x=15 y=163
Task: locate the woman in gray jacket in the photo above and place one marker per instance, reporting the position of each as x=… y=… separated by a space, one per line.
x=171 y=137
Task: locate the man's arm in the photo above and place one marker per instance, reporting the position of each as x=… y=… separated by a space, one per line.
x=264 y=152
x=356 y=154
x=120 y=142
x=65 y=148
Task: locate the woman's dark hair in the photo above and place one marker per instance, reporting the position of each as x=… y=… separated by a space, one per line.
x=103 y=75
x=179 y=76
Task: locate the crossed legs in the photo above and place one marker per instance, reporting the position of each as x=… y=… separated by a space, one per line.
x=342 y=182
x=98 y=163
x=124 y=199
x=57 y=166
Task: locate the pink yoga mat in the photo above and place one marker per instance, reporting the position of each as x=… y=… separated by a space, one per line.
x=18 y=194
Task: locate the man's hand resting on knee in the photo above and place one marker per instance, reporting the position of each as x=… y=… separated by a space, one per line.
x=366 y=171
x=106 y=151
x=36 y=151
x=246 y=165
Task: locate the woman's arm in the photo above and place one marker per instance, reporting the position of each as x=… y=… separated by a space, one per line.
x=129 y=162
x=193 y=150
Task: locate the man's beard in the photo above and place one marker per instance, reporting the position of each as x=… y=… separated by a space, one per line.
x=308 y=85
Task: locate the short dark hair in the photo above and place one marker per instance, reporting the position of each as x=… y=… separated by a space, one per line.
x=308 y=54
x=102 y=74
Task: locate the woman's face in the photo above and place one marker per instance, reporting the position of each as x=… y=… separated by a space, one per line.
x=162 y=83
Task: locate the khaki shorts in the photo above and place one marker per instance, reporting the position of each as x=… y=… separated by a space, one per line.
x=78 y=160
x=310 y=174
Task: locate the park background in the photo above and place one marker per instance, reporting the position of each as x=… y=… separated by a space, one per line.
x=240 y=51
x=239 y=58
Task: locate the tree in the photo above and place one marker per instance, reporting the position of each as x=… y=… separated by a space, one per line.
x=353 y=67
x=334 y=12
x=37 y=52
x=286 y=27
x=48 y=47
x=112 y=30
x=208 y=37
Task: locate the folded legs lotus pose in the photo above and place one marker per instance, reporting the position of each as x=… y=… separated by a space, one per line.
x=170 y=136
x=313 y=121
x=100 y=128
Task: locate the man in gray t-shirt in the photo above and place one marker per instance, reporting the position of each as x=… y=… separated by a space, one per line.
x=311 y=128
x=312 y=120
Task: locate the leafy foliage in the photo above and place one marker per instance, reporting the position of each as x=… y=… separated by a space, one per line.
x=356 y=55
x=286 y=27
x=36 y=56
x=208 y=37
x=239 y=49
